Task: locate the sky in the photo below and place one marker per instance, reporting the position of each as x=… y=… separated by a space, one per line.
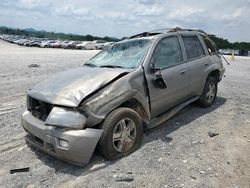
x=229 y=19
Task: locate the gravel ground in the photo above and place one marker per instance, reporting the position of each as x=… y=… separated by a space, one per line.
x=179 y=153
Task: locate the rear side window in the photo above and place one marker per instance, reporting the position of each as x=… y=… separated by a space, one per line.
x=210 y=45
x=193 y=47
x=167 y=53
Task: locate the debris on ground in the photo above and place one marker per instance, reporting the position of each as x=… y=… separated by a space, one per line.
x=168 y=139
x=97 y=166
x=198 y=142
x=193 y=177
x=202 y=172
x=26 y=169
x=213 y=134
x=123 y=177
x=33 y=65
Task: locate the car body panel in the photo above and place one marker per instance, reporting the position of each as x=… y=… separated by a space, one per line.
x=175 y=92
x=175 y=77
x=81 y=143
x=71 y=87
x=130 y=86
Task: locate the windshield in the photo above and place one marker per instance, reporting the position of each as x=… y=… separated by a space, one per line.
x=127 y=54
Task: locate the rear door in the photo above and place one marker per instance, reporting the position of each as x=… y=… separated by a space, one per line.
x=169 y=65
x=197 y=61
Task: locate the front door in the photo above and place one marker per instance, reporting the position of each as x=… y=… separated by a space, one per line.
x=168 y=67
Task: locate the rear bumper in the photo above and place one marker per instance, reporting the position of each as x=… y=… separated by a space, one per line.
x=81 y=143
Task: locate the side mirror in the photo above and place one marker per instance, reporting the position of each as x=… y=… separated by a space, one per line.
x=158 y=81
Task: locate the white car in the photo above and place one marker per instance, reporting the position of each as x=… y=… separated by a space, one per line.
x=94 y=45
x=46 y=43
x=82 y=45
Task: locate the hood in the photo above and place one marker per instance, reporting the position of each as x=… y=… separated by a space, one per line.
x=69 y=88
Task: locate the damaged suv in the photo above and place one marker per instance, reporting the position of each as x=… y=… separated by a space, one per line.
x=135 y=84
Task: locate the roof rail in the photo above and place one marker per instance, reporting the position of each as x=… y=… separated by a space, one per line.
x=166 y=30
x=180 y=29
x=144 y=34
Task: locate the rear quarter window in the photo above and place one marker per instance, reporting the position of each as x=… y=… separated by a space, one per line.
x=193 y=47
x=211 y=47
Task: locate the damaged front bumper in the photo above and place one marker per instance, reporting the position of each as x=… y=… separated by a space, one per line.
x=74 y=146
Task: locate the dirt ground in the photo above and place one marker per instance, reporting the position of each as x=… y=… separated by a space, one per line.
x=180 y=153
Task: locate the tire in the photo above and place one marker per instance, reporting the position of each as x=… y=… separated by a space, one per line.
x=116 y=141
x=209 y=92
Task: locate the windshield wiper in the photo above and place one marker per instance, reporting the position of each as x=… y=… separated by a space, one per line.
x=89 y=64
x=112 y=66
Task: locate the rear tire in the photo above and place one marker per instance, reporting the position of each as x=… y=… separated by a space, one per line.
x=122 y=133
x=209 y=93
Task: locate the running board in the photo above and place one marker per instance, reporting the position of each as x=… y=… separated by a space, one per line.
x=161 y=119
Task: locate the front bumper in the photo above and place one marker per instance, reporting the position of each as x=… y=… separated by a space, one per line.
x=81 y=143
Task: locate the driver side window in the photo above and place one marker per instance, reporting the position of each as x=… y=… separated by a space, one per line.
x=167 y=53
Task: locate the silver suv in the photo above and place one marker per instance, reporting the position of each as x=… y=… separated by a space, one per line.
x=135 y=84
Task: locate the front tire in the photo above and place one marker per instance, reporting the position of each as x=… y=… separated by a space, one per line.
x=122 y=133
x=209 y=93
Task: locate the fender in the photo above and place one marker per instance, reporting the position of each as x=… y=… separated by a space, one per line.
x=113 y=96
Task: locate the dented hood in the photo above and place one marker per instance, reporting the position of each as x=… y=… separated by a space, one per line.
x=71 y=87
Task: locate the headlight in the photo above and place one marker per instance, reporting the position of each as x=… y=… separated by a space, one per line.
x=66 y=118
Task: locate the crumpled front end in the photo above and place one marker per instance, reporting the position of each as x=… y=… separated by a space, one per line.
x=63 y=124
x=74 y=146
x=53 y=120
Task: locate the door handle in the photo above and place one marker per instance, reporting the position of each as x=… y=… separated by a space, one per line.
x=183 y=72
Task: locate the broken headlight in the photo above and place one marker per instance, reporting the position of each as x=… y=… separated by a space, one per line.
x=65 y=118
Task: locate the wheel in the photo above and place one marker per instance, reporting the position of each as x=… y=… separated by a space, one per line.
x=122 y=133
x=209 y=93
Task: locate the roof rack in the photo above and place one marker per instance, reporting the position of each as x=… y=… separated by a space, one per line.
x=144 y=34
x=166 y=30
x=180 y=29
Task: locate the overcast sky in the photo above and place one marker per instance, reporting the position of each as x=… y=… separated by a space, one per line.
x=225 y=18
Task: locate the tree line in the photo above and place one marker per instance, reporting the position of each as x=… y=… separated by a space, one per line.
x=225 y=44
x=53 y=35
x=220 y=42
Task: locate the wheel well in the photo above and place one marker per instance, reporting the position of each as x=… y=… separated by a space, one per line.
x=215 y=74
x=137 y=106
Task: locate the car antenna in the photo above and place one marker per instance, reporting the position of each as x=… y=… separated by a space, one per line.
x=224 y=58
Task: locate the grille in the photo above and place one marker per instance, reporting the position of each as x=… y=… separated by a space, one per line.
x=38 y=108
